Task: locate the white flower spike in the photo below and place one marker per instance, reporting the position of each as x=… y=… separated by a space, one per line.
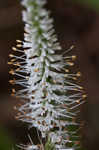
x=52 y=98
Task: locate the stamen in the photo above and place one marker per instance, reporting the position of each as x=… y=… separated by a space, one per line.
x=13 y=90
x=78 y=74
x=84 y=96
x=74 y=57
x=11 y=55
x=12 y=81
x=70 y=63
x=67 y=70
x=18 y=50
x=80 y=87
x=18 y=69
x=16 y=64
x=13 y=60
x=19 y=41
x=19 y=45
x=72 y=47
x=14 y=49
x=11 y=72
x=10 y=63
x=78 y=101
x=74 y=78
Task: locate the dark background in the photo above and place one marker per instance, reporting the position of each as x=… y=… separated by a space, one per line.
x=75 y=24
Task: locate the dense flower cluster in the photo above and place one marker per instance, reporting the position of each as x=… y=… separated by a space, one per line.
x=52 y=98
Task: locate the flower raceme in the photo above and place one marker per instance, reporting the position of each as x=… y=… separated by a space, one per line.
x=44 y=80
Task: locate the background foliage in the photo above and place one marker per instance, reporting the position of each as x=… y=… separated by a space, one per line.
x=5 y=141
x=92 y=3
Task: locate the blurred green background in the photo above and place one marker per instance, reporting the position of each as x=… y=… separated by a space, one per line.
x=91 y=3
x=5 y=141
